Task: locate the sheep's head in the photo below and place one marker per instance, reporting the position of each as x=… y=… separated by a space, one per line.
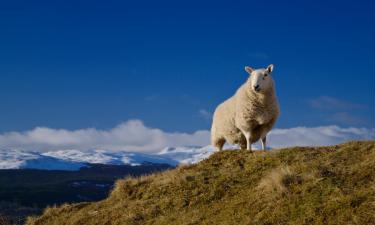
x=260 y=80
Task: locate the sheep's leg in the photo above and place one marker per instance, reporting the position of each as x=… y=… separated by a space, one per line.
x=243 y=146
x=248 y=142
x=242 y=142
x=264 y=139
x=219 y=143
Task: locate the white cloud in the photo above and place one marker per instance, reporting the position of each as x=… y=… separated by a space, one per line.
x=347 y=118
x=340 y=111
x=205 y=114
x=133 y=135
x=317 y=136
x=328 y=102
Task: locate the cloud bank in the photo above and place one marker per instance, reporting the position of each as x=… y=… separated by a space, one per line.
x=134 y=136
x=317 y=136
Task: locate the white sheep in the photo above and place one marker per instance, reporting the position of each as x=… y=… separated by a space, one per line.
x=249 y=115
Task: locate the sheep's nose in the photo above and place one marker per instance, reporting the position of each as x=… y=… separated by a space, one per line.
x=256 y=86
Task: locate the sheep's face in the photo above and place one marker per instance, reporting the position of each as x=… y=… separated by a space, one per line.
x=260 y=80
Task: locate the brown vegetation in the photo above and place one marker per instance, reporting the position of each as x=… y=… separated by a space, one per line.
x=325 y=185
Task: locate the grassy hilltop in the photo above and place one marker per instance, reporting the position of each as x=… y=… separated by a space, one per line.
x=325 y=185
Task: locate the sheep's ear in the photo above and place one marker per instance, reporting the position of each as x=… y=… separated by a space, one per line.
x=249 y=69
x=270 y=68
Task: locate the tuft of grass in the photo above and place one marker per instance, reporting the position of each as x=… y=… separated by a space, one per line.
x=279 y=180
x=325 y=185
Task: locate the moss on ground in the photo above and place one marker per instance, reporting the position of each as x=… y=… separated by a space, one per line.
x=325 y=185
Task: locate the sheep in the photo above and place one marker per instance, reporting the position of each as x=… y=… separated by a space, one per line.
x=249 y=115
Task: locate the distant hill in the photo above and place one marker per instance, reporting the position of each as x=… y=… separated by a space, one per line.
x=25 y=192
x=73 y=160
x=325 y=185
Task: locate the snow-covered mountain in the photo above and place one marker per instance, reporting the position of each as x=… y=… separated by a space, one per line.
x=187 y=155
x=75 y=159
x=17 y=159
x=108 y=157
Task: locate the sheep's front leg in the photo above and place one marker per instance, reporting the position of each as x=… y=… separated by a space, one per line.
x=264 y=139
x=248 y=138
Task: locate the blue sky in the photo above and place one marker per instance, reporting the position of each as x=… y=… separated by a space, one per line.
x=78 y=64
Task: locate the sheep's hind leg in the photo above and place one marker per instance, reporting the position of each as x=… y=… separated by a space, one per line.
x=243 y=145
x=264 y=140
x=219 y=143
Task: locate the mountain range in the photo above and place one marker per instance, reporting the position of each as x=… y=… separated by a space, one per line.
x=73 y=160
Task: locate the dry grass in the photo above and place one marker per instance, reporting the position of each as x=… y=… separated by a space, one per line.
x=4 y=220
x=327 y=185
x=277 y=180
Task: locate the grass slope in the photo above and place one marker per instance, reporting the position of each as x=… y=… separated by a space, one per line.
x=325 y=185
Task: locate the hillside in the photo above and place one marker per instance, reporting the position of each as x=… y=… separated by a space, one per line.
x=25 y=192
x=325 y=185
